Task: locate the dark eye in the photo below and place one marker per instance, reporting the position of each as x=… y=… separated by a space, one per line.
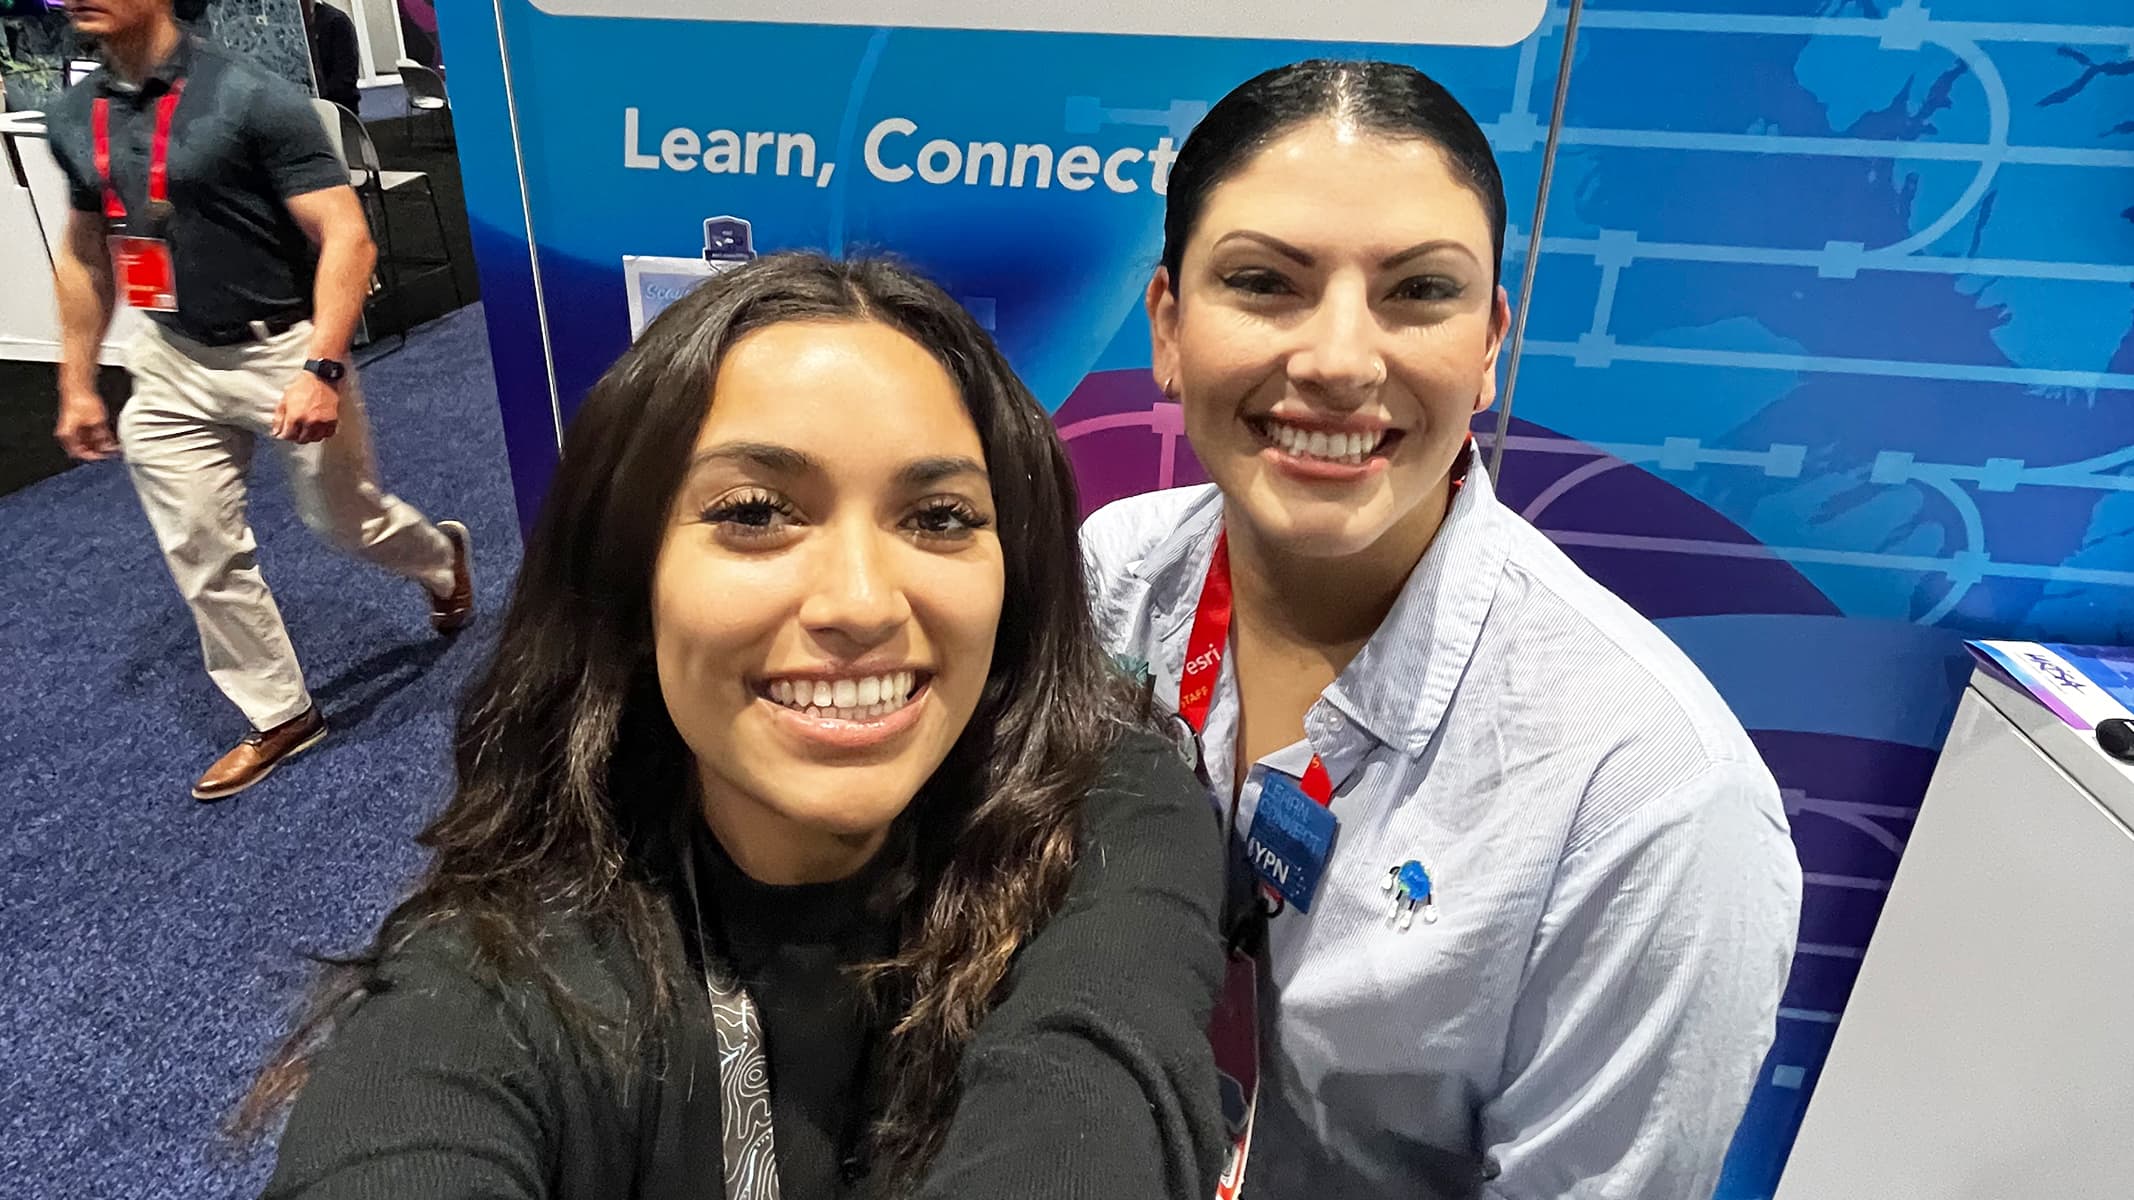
x=1428 y=289
x=1256 y=281
x=946 y=518
x=752 y=514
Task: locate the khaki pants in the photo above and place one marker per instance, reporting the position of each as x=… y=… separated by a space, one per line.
x=187 y=436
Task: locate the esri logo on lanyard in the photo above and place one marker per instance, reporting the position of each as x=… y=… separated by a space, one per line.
x=141 y=265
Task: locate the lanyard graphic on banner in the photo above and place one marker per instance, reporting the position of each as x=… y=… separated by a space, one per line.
x=1211 y=636
x=158 y=155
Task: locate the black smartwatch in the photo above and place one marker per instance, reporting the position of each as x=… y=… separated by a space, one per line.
x=327 y=369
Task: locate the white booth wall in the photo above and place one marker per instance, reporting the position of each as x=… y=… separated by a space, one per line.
x=33 y=216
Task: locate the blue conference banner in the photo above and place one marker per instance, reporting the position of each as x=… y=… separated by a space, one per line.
x=1828 y=359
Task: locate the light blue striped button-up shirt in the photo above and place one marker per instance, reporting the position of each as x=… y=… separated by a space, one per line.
x=1616 y=887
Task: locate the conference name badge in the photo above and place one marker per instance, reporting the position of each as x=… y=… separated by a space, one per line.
x=145 y=275
x=1292 y=837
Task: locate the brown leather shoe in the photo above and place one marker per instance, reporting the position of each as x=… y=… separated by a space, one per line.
x=256 y=757
x=450 y=614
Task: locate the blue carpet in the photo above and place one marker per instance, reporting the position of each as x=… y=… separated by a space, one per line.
x=151 y=942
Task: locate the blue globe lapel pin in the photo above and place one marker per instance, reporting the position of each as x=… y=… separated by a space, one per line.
x=1409 y=885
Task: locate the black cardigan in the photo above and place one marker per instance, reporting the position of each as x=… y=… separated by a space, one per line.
x=1091 y=1079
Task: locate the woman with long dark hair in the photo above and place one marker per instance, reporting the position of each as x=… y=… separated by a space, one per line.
x=801 y=836
x=1533 y=899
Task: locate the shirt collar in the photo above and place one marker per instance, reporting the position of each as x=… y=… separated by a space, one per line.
x=1178 y=565
x=1400 y=684
x=177 y=66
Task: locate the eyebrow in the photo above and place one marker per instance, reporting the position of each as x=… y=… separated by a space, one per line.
x=1433 y=246
x=779 y=460
x=1304 y=258
x=785 y=460
x=926 y=471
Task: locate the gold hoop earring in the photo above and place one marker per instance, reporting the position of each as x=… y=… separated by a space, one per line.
x=1169 y=390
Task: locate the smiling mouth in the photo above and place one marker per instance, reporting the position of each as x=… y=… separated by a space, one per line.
x=859 y=698
x=1319 y=445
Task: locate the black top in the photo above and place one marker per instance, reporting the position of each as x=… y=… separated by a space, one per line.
x=1092 y=1079
x=242 y=143
x=794 y=949
x=334 y=55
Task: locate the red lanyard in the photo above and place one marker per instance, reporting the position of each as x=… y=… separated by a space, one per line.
x=158 y=153
x=1211 y=635
x=1204 y=662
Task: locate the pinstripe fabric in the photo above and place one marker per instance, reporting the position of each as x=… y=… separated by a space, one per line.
x=1617 y=888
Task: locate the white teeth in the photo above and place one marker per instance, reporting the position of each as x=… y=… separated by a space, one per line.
x=845 y=699
x=1350 y=448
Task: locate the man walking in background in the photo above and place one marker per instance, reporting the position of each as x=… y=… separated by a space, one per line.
x=206 y=194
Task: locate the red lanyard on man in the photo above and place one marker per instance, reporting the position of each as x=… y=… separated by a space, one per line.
x=1210 y=638
x=158 y=154
x=142 y=266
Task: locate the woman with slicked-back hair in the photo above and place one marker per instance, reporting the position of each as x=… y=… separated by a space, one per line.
x=1530 y=940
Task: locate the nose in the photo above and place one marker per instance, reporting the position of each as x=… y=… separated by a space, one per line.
x=857 y=601
x=1337 y=356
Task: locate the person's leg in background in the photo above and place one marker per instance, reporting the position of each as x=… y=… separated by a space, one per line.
x=188 y=465
x=338 y=494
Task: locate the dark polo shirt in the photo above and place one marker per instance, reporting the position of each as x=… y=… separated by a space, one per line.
x=242 y=143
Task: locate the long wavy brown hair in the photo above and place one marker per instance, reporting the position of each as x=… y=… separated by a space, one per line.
x=571 y=778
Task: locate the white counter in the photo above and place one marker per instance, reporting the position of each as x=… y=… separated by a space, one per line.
x=1988 y=1050
x=33 y=217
